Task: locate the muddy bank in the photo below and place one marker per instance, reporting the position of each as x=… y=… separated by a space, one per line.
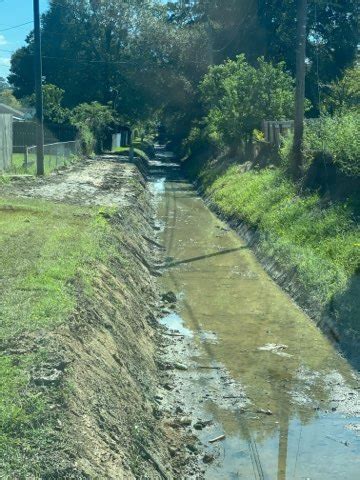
x=99 y=374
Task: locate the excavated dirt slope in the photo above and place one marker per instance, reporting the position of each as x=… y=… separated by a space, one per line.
x=102 y=361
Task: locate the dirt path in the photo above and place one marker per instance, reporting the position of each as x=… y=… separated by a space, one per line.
x=95 y=182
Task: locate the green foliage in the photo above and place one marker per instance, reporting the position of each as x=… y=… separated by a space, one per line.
x=331 y=44
x=196 y=142
x=53 y=110
x=7 y=97
x=345 y=94
x=93 y=121
x=239 y=96
x=320 y=243
x=336 y=136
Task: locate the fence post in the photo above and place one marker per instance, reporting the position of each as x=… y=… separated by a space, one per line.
x=26 y=158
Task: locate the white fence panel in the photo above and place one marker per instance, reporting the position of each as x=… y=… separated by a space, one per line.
x=6 y=141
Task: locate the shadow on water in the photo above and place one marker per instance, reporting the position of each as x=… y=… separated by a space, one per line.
x=203 y=257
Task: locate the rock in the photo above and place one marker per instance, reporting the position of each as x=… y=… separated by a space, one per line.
x=180 y=366
x=200 y=425
x=48 y=380
x=180 y=422
x=173 y=451
x=208 y=458
x=169 y=297
x=265 y=412
x=192 y=448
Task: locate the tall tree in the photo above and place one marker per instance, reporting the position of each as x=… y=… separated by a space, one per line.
x=331 y=43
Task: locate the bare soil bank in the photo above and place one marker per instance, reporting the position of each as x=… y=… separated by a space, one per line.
x=100 y=375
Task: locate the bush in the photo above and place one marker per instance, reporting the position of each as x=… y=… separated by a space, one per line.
x=93 y=119
x=239 y=96
x=336 y=137
x=344 y=95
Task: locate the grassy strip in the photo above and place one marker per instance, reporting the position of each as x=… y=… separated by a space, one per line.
x=44 y=247
x=51 y=163
x=321 y=242
x=126 y=151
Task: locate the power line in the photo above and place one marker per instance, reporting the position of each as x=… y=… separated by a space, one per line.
x=15 y=26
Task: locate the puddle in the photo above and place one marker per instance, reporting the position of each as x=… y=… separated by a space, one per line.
x=174 y=322
x=302 y=398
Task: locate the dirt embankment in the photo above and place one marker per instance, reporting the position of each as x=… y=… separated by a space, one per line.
x=100 y=376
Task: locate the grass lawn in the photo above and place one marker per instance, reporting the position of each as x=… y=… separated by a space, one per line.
x=51 y=163
x=44 y=247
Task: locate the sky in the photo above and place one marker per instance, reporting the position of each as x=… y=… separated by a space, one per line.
x=14 y=12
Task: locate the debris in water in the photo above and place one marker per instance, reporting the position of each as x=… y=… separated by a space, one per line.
x=265 y=412
x=217 y=439
x=276 y=349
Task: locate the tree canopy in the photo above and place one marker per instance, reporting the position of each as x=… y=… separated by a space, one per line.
x=148 y=57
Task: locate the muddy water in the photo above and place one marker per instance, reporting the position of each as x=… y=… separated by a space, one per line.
x=298 y=415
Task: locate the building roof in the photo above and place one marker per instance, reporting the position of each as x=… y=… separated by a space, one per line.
x=17 y=114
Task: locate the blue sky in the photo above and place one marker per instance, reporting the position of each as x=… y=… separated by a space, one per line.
x=14 y=12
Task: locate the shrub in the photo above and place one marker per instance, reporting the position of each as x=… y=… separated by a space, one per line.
x=239 y=96
x=95 y=119
x=336 y=137
x=345 y=94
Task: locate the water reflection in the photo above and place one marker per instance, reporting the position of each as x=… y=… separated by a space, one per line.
x=286 y=366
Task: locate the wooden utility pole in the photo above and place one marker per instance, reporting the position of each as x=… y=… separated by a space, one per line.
x=297 y=154
x=38 y=92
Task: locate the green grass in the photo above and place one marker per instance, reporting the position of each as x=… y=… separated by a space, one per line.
x=44 y=249
x=321 y=241
x=126 y=151
x=50 y=163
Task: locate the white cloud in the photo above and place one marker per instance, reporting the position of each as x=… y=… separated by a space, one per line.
x=5 y=61
x=3 y=40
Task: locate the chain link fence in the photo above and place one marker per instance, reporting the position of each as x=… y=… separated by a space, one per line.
x=56 y=155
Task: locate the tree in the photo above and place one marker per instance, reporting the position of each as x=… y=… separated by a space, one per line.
x=344 y=94
x=128 y=53
x=3 y=84
x=53 y=99
x=238 y=96
x=7 y=97
x=331 y=43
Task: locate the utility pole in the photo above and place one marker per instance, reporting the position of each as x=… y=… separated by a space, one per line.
x=38 y=92
x=297 y=154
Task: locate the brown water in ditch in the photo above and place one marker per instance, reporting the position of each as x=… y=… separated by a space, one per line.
x=269 y=346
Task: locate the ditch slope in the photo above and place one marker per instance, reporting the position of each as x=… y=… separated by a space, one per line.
x=78 y=335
